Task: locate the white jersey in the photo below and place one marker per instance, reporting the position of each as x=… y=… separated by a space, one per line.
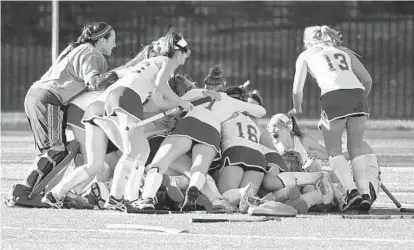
x=332 y=69
x=142 y=80
x=240 y=130
x=158 y=127
x=85 y=99
x=216 y=112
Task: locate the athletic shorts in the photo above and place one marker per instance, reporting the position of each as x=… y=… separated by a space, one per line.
x=244 y=157
x=155 y=143
x=125 y=99
x=343 y=103
x=199 y=132
x=77 y=116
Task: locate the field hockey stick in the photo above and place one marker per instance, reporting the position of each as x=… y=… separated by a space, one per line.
x=308 y=163
x=154 y=118
x=166 y=113
x=395 y=201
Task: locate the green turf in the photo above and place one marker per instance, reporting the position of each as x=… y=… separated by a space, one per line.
x=24 y=228
x=18 y=120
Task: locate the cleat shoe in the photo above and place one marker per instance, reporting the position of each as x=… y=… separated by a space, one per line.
x=323 y=185
x=115 y=204
x=223 y=205
x=145 y=204
x=73 y=200
x=352 y=200
x=98 y=195
x=173 y=191
x=190 y=199
x=132 y=206
x=10 y=199
x=52 y=201
x=365 y=204
x=249 y=191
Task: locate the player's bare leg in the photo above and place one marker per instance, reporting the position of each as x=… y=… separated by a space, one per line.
x=96 y=144
x=332 y=133
x=171 y=148
x=202 y=157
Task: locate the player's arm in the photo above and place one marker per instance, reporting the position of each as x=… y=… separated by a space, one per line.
x=361 y=72
x=247 y=108
x=299 y=82
x=161 y=81
x=314 y=148
x=92 y=72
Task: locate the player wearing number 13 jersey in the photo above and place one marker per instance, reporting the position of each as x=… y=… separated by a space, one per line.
x=344 y=84
x=198 y=132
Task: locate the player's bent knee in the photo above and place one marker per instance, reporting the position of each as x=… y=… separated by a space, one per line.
x=94 y=169
x=272 y=183
x=152 y=170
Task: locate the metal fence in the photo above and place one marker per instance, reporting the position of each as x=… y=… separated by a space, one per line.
x=260 y=47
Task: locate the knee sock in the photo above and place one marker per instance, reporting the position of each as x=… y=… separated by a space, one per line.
x=135 y=181
x=359 y=167
x=122 y=173
x=198 y=180
x=152 y=183
x=342 y=171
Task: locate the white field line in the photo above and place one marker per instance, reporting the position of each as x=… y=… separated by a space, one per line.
x=304 y=238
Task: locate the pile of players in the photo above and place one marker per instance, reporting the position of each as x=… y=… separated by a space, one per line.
x=212 y=154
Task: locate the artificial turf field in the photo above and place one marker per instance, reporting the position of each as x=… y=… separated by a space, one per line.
x=27 y=228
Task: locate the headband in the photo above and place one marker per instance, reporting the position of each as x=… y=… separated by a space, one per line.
x=280 y=121
x=102 y=33
x=181 y=45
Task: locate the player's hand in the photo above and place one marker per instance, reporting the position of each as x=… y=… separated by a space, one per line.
x=214 y=95
x=186 y=105
x=317 y=155
x=294 y=111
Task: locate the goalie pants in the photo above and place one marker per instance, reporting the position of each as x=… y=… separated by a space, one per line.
x=47 y=120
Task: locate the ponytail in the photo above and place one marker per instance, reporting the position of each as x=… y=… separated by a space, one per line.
x=330 y=36
x=295 y=127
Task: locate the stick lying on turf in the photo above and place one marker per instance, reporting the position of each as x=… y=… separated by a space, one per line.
x=377 y=217
x=398 y=204
x=214 y=220
x=147 y=228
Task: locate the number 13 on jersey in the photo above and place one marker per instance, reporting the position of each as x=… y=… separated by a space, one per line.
x=338 y=61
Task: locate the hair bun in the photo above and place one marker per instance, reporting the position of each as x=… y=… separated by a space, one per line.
x=215 y=76
x=216 y=72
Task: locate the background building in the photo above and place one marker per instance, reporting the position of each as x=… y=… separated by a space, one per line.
x=253 y=40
